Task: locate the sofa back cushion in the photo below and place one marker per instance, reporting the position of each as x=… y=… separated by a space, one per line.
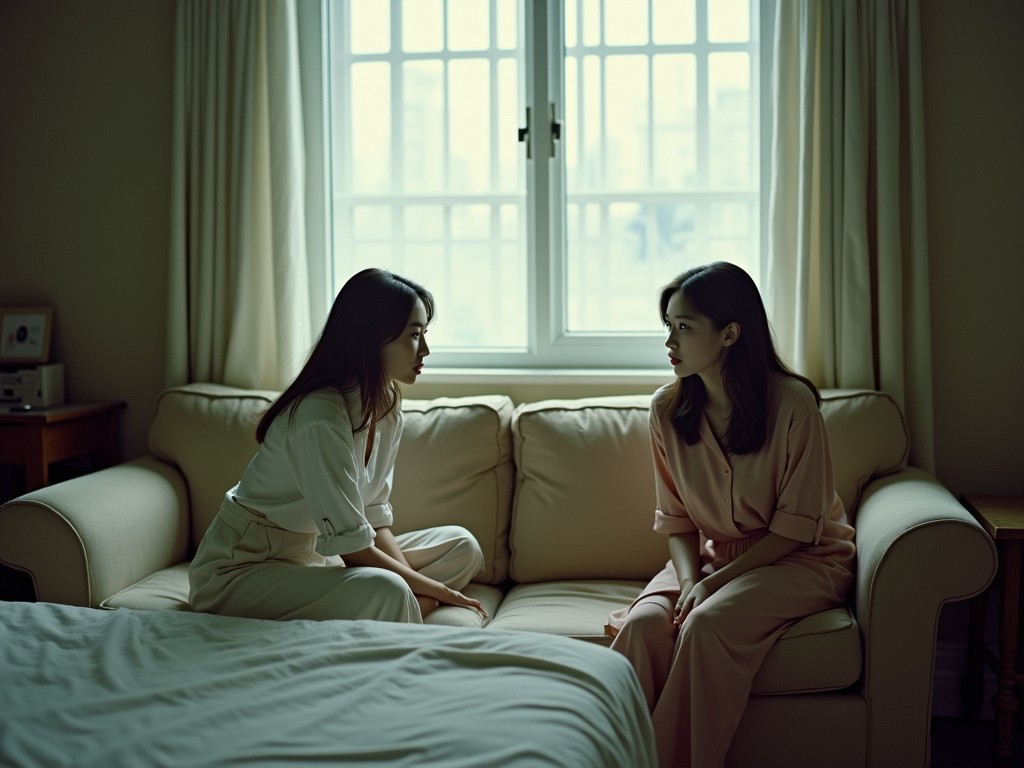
x=209 y=432
x=455 y=467
x=868 y=437
x=584 y=501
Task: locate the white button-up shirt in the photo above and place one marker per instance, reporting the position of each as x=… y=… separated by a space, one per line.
x=310 y=476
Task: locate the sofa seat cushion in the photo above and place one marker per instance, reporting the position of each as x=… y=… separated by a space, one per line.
x=821 y=652
x=467 y=618
x=577 y=608
x=166 y=589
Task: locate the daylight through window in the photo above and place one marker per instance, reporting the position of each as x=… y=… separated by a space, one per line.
x=644 y=150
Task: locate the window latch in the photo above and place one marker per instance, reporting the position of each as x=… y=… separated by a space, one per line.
x=524 y=135
x=556 y=128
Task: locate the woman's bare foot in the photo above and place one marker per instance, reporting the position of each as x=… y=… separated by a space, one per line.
x=427 y=604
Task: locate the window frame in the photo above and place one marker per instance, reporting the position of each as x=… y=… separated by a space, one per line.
x=552 y=351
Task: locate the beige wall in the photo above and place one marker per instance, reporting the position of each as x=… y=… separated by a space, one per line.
x=974 y=104
x=84 y=195
x=85 y=133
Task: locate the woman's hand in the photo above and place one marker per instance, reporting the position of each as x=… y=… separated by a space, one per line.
x=449 y=596
x=424 y=587
x=690 y=596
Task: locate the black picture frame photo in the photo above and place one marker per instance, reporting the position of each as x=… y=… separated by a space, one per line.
x=25 y=334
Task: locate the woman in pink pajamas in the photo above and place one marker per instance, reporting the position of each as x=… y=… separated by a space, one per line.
x=757 y=536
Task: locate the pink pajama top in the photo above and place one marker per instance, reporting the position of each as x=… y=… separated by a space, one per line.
x=733 y=501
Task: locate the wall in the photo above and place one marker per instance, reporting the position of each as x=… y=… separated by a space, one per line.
x=974 y=105
x=85 y=138
x=974 y=109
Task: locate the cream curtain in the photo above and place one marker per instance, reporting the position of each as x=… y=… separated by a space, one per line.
x=848 y=286
x=239 y=287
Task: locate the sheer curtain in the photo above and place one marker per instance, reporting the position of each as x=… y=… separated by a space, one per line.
x=847 y=283
x=242 y=299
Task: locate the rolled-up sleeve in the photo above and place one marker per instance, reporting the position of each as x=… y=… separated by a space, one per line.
x=807 y=487
x=379 y=512
x=321 y=461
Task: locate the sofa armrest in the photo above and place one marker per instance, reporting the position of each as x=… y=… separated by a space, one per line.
x=917 y=549
x=87 y=538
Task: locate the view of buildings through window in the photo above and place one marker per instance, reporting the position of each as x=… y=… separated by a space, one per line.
x=655 y=169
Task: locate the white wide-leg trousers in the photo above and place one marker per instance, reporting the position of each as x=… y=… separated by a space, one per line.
x=247 y=566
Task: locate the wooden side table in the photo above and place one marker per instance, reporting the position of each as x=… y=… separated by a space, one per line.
x=1002 y=517
x=37 y=438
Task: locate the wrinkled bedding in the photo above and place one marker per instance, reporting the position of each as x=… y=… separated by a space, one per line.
x=85 y=687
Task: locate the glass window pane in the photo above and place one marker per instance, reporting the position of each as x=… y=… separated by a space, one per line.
x=469 y=24
x=728 y=21
x=454 y=217
x=423 y=222
x=370 y=128
x=590 y=16
x=371 y=254
x=469 y=131
x=571 y=133
x=424 y=262
x=674 y=227
x=422 y=26
x=509 y=223
x=729 y=218
x=644 y=140
x=592 y=221
x=659 y=149
x=508 y=290
x=570 y=24
x=626 y=117
x=475 y=304
x=625 y=22
x=371 y=222
x=423 y=145
x=471 y=222
x=735 y=251
x=507 y=22
x=614 y=291
x=730 y=120
x=674 y=132
x=370 y=28
x=674 y=22
x=508 y=103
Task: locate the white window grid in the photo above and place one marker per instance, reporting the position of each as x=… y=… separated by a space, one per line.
x=547 y=340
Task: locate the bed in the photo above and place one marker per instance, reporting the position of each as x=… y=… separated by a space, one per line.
x=86 y=687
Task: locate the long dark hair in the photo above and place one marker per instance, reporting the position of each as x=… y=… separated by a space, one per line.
x=370 y=310
x=724 y=293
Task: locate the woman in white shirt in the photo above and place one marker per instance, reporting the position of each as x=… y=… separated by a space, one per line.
x=306 y=532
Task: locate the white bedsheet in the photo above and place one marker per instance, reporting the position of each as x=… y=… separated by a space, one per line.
x=84 y=687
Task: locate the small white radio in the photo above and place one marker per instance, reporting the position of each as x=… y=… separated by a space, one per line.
x=38 y=387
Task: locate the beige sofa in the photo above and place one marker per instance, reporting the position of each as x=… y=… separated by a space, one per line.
x=560 y=496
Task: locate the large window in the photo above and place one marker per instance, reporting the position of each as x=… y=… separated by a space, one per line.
x=544 y=167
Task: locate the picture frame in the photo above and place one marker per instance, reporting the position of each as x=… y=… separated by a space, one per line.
x=25 y=334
